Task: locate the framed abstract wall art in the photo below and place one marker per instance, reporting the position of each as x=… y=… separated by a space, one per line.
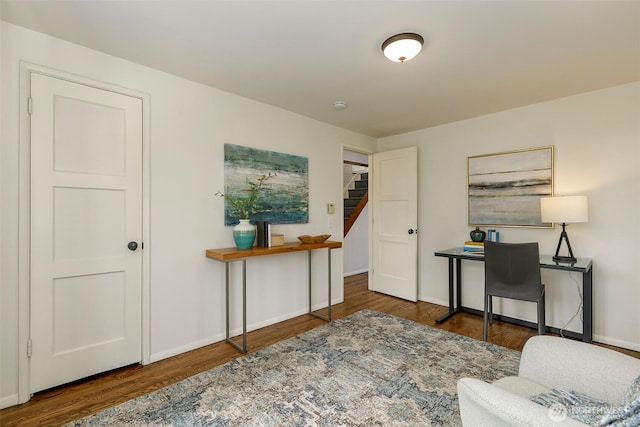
x=285 y=200
x=504 y=189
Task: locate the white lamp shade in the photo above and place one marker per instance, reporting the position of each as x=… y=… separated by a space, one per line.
x=402 y=47
x=564 y=209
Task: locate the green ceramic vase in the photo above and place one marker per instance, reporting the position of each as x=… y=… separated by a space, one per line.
x=244 y=234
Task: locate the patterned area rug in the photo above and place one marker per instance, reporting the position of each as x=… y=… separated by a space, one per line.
x=367 y=369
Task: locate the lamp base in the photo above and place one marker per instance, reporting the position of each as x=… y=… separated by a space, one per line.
x=567 y=259
x=565 y=237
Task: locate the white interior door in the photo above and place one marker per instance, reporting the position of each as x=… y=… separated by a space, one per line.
x=394 y=239
x=86 y=206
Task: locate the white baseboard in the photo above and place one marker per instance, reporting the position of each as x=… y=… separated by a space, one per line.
x=617 y=343
x=234 y=332
x=7 y=401
x=353 y=273
x=597 y=338
x=434 y=301
x=155 y=357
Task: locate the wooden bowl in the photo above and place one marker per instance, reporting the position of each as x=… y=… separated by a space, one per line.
x=314 y=239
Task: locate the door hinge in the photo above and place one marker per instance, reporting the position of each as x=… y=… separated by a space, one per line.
x=30 y=105
x=29 y=347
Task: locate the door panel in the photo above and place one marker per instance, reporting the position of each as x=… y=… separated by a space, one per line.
x=394 y=214
x=102 y=296
x=94 y=145
x=86 y=205
x=91 y=221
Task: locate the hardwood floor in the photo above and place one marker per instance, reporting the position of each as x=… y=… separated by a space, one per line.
x=67 y=403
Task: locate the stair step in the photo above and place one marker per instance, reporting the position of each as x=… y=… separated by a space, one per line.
x=358 y=192
x=348 y=211
x=362 y=184
x=352 y=203
x=364 y=176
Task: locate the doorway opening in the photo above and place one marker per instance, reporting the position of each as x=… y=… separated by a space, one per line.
x=355 y=246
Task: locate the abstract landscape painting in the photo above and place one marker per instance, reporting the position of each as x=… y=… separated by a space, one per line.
x=285 y=200
x=505 y=188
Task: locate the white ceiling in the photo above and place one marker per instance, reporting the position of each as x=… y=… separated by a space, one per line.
x=479 y=56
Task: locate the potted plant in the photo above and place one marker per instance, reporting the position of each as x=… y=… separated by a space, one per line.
x=243 y=204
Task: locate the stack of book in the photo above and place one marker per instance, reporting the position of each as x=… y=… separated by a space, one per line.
x=277 y=239
x=265 y=238
x=263 y=229
x=476 y=247
x=493 y=235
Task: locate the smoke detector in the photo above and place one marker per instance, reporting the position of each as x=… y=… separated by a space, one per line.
x=339 y=105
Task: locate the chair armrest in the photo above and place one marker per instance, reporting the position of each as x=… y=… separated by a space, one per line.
x=485 y=405
x=573 y=365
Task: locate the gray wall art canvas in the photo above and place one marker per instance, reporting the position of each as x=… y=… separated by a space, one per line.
x=504 y=189
x=284 y=200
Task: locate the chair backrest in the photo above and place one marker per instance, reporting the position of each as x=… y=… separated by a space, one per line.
x=512 y=270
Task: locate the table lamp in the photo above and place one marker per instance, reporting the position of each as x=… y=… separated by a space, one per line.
x=564 y=210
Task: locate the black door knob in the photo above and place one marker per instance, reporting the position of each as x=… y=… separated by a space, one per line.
x=132 y=246
x=411 y=231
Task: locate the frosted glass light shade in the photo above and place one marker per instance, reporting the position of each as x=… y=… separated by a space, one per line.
x=564 y=209
x=402 y=47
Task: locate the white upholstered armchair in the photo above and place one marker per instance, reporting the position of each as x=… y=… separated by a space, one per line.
x=547 y=362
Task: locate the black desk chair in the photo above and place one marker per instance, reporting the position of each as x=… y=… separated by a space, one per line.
x=512 y=270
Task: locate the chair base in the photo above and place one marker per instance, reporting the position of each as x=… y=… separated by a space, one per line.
x=488 y=314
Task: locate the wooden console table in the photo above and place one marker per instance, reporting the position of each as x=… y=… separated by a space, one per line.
x=227 y=255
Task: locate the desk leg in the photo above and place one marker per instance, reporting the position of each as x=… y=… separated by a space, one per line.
x=313 y=313
x=453 y=309
x=587 y=307
x=458 y=284
x=242 y=349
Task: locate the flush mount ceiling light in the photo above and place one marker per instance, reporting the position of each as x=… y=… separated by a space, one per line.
x=402 y=47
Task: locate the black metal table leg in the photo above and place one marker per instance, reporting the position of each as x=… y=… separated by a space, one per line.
x=458 y=284
x=587 y=307
x=452 y=309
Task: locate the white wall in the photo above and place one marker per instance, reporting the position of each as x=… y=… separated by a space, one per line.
x=189 y=125
x=355 y=156
x=596 y=136
x=355 y=247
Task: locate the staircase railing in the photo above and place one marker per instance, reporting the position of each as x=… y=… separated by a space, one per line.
x=356 y=213
x=354 y=177
x=357 y=170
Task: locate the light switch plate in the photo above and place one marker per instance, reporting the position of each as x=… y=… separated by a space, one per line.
x=331 y=209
